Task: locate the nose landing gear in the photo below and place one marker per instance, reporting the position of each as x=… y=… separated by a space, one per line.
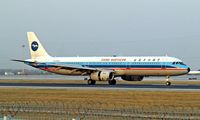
x=168 y=83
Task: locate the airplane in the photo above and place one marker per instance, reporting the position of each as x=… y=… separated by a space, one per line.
x=104 y=68
x=194 y=73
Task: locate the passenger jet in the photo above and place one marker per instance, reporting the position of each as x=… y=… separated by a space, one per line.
x=104 y=68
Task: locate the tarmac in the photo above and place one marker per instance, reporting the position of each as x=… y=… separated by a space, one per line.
x=145 y=87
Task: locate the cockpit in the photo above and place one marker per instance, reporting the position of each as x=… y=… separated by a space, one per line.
x=178 y=63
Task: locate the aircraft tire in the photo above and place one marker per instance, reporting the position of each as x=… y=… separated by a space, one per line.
x=112 y=82
x=168 y=83
x=91 y=82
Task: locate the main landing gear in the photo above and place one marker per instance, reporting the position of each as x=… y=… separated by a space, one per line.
x=112 y=82
x=91 y=82
x=168 y=83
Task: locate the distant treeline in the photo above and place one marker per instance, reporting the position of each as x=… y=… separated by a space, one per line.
x=22 y=72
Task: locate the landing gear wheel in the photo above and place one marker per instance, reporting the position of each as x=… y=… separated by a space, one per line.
x=112 y=82
x=91 y=82
x=168 y=83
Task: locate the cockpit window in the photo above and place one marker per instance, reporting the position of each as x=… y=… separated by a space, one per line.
x=178 y=63
x=182 y=63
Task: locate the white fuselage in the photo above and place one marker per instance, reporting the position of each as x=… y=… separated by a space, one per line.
x=138 y=66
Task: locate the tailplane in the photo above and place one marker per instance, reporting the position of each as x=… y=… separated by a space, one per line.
x=36 y=48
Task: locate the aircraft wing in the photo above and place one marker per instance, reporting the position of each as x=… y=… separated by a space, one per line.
x=80 y=68
x=76 y=68
x=72 y=67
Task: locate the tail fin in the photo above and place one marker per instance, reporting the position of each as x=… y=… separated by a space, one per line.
x=36 y=48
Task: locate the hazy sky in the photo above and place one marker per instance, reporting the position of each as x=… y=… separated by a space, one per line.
x=101 y=28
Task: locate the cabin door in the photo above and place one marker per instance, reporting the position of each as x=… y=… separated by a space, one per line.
x=163 y=63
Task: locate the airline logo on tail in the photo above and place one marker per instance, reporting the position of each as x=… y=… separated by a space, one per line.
x=34 y=46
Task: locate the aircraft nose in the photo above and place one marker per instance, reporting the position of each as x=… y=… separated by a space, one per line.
x=188 y=69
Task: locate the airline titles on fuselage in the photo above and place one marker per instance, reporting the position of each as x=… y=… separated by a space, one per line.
x=113 y=60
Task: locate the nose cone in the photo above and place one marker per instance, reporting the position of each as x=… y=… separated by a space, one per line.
x=188 y=69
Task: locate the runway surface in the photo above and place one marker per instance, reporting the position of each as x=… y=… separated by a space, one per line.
x=156 y=87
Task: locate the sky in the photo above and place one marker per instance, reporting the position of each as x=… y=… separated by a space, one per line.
x=101 y=28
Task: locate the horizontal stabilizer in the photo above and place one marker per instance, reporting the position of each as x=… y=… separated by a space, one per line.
x=22 y=61
x=18 y=60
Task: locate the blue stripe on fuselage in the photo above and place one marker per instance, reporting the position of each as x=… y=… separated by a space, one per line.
x=112 y=64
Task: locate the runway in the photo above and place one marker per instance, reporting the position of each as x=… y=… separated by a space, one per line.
x=153 y=87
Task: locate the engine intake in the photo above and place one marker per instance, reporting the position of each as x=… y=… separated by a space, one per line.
x=102 y=76
x=132 y=78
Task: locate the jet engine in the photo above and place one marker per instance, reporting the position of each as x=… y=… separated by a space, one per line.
x=132 y=78
x=102 y=76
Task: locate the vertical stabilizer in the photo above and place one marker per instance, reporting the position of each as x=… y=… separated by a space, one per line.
x=36 y=48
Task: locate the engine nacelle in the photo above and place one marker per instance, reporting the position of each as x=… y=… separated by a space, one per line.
x=102 y=76
x=132 y=78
